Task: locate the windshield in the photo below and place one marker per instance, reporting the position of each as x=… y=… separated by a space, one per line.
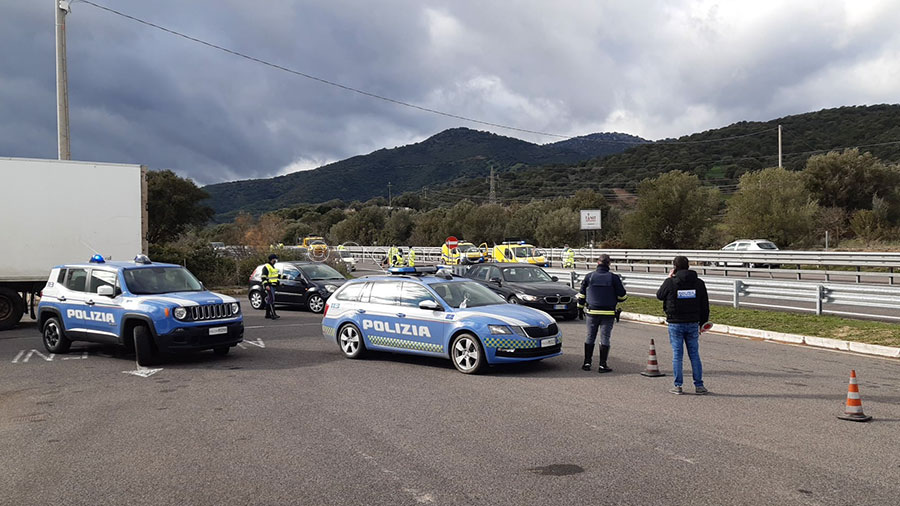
x=345 y=254
x=321 y=271
x=766 y=245
x=525 y=252
x=526 y=275
x=470 y=292
x=156 y=280
x=465 y=248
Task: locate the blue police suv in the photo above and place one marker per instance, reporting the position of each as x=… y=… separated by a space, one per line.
x=154 y=308
x=426 y=311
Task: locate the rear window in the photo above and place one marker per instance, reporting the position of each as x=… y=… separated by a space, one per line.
x=76 y=280
x=766 y=245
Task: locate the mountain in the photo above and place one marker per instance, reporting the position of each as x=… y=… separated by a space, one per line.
x=445 y=157
x=719 y=156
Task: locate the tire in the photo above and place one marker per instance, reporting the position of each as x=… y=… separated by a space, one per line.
x=513 y=300
x=54 y=336
x=315 y=303
x=350 y=341
x=467 y=354
x=257 y=299
x=221 y=350
x=144 y=348
x=12 y=307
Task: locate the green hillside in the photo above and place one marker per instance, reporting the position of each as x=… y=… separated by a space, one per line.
x=455 y=154
x=717 y=156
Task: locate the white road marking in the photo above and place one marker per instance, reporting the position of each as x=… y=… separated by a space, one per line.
x=83 y=356
x=143 y=372
x=16 y=360
x=258 y=343
x=284 y=325
x=675 y=456
x=30 y=354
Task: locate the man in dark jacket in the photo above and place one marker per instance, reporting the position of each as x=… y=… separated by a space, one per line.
x=270 y=277
x=600 y=291
x=686 y=304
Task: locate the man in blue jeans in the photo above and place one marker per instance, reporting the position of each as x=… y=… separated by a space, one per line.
x=600 y=291
x=686 y=304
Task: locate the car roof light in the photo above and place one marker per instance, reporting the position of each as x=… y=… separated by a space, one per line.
x=142 y=259
x=417 y=271
x=97 y=259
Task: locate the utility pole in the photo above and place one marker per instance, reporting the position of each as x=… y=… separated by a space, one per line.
x=493 y=195
x=779 y=146
x=390 y=197
x=62 y=93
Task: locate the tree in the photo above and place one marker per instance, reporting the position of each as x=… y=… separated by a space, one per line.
x=673 y=211
x=558 y=227
x=850 y=180
x=363 y=227
x=173 y=204
x=772 y=204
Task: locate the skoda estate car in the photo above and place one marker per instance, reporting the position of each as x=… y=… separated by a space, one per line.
x=425 y=311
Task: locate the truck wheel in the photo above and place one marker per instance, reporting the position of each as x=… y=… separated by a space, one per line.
x=11 y=308
x=257 y=301
x=143 y=347
x=467 y=354
x=315 y=303
x=221 y=350
x=55 y=340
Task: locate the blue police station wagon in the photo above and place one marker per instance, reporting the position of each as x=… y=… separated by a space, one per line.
x=426 y=311
x=154 y=308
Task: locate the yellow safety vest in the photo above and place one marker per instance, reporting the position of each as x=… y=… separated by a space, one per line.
x=412 y=258
x=272 y=277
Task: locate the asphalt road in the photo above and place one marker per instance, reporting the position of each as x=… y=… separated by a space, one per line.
x=285 y=419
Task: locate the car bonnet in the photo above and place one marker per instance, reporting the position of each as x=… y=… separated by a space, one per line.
x=510 y=314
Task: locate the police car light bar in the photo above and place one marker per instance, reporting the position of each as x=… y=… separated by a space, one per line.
x=142 y=259
x=97 y=259
x=413 y=270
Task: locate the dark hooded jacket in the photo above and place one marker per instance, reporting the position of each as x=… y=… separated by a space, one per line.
x=684 y=298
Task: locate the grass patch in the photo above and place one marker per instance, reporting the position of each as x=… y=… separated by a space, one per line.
x=835 y=327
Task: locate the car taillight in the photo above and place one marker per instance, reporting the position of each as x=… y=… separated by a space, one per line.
x=325 y=313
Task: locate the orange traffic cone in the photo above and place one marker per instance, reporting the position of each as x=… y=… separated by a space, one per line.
x=652 y=365
x=854 y=411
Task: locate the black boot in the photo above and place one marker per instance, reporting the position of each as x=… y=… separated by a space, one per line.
x=269 y=312
x=604 y=354
x=588 y=353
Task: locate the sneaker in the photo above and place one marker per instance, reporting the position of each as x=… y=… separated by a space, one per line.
x=701 y=391
x=676 y=390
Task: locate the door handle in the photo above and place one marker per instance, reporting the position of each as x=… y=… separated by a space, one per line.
x=401 y=315
x=89 y=302
x=61 y=298
x=360 y=311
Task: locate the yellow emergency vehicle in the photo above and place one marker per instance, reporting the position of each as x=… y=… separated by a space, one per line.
x=521 y=252
x=315 y=245
x=465 y=253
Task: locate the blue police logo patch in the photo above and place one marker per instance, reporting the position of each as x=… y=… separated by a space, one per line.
x=687 y=294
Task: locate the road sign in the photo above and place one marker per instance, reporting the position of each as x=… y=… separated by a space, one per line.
x=452 y=242
x=590 y=219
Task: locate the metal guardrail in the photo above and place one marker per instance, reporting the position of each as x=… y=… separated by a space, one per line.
x=621 y=265
x=816 y=258
x=852 y=300
x=821 y=298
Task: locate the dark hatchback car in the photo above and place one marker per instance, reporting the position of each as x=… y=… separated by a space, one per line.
x=529 y=285
x=306 y=284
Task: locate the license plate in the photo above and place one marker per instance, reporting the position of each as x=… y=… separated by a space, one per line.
x=559 y=306
x=218 y=330
x=548 y=342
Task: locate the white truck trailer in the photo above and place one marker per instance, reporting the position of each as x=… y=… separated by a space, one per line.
x=54 y=212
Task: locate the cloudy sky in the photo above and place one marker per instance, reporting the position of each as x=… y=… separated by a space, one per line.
x=650 y=68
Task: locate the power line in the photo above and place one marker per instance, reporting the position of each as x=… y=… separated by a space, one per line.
x=393 y=100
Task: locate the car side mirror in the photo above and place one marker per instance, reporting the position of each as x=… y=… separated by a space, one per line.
x=496 y=281
x=554 y=278
x=106 y=291
x=431 y=305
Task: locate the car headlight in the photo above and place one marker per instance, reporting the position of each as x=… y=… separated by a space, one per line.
x=500 y=329
x=526 y=297
x=180 y=313
x=331 y=288
x=235 y=308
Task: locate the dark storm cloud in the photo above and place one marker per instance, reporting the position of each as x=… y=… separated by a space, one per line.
x=653 y=68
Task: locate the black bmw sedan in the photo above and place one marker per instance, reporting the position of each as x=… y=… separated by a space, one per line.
x=529 y=285
x=304 y=284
